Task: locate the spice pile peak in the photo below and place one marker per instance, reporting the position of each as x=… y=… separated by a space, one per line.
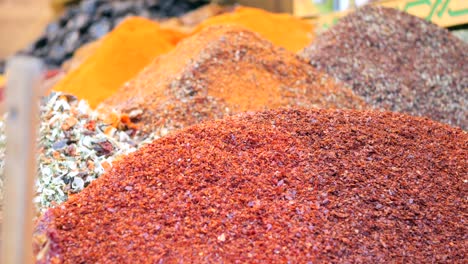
x=120 y=55
x=398 y=62
x=276 y=186
x=283 y=30
x=224 y=70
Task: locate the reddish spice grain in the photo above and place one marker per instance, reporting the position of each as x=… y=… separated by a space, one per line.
x=272 y=187
x=398 y=62
x=223 y=70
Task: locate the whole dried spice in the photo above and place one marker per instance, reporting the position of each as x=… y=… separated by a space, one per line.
x=398 y=62
x=223 y=70
x=282 y=186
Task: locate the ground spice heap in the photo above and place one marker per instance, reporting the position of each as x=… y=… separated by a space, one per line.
x=223 y=70
x=276 y=186
x=398 y=62
x=283 y=30
x=121 y=55
x=92 y=19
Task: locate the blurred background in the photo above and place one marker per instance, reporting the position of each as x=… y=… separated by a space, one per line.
x=54 y=30
x=23 y=21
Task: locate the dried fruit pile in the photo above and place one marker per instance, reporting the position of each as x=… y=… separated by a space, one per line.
x=398 y=62
x=223 y=70
x=276 y=186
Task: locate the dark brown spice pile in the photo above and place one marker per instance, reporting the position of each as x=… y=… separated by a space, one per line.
x=223 y=70
x=275 y=187
x=398 y=62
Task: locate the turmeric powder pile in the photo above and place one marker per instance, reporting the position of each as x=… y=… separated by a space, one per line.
x=121 y=55
x=282 y=30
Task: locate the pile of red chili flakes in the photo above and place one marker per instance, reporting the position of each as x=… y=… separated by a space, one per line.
x=276 y=186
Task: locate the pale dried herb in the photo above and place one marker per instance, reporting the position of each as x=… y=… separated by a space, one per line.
x=75 y=146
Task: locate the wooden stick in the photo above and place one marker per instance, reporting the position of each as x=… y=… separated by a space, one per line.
x=23 y=79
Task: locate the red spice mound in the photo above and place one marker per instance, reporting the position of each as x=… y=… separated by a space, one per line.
x=221 y=70
x=398 y=62
x=276 y=186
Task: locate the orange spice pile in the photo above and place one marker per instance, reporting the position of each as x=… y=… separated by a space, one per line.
x=283 y=30
x=221 y=70
x=119 y=56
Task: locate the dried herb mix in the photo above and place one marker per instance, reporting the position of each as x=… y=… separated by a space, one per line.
x=76 y=146
x=275 y=186
x=219 y=71
x=398 y=62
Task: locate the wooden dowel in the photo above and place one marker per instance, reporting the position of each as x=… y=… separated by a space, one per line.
x=23 y=79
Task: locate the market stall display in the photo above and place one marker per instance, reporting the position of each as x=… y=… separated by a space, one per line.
x=92 y=19
x=219 y=71
x=275 y=186
x=121 y=54
x=233 y=134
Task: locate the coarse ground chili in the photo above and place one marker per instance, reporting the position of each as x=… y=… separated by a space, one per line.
x=398 y=62
x=280 y=186
x=224 y=70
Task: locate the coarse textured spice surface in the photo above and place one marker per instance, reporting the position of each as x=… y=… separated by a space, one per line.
x=120 y=56
x=275 y=186
x=284 y=30
x=398 y=62
x=75 y=146
x=223 y=70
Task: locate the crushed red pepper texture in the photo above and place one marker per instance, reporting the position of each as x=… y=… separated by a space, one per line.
x=275 y=187
x=220 y=71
